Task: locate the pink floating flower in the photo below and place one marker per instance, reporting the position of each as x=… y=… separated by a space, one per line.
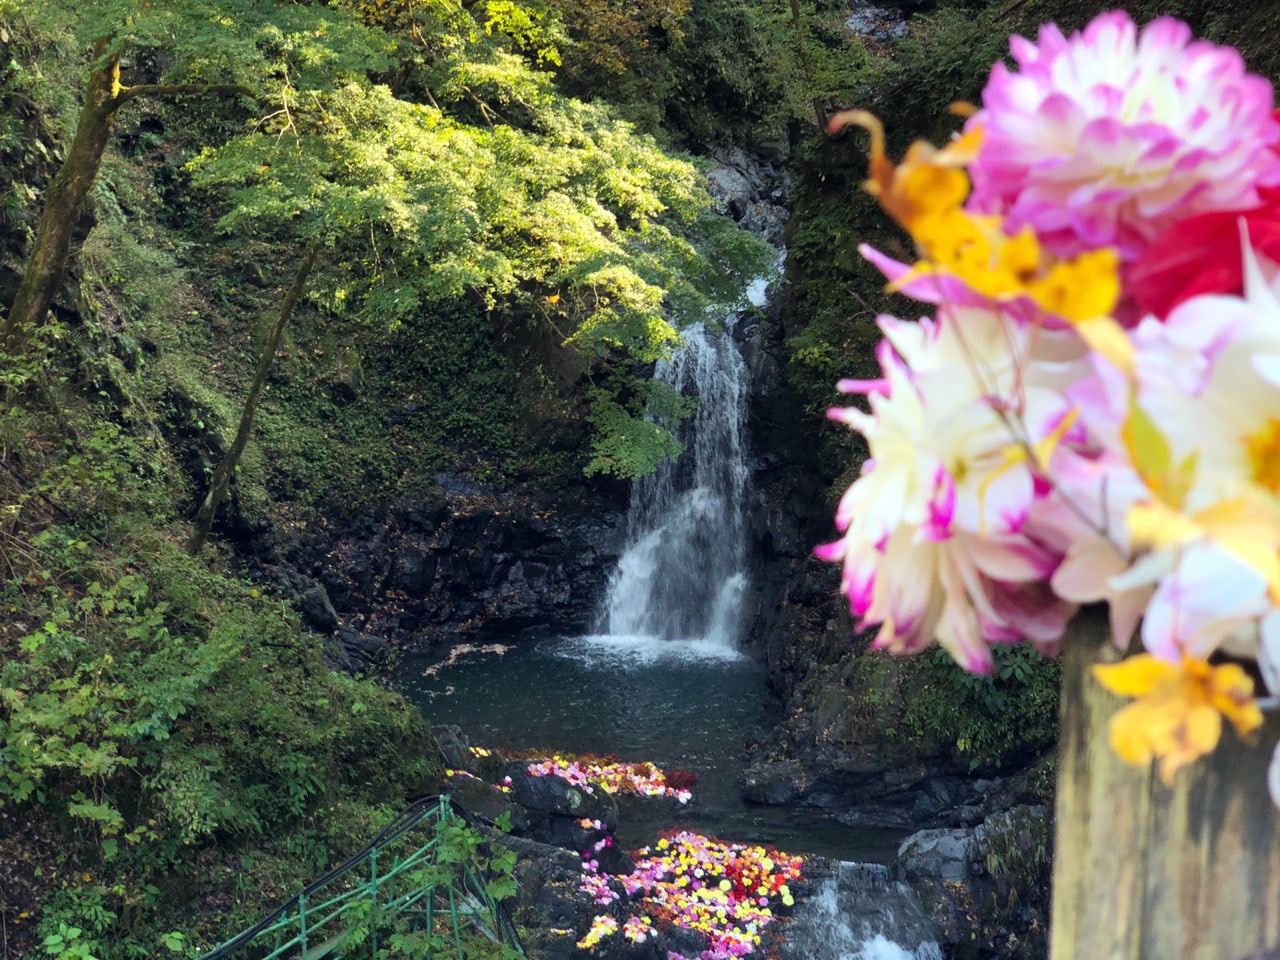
x=1109 y=136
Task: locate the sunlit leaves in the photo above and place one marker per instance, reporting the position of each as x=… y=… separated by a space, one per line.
x=263 y=43
x=494 y=187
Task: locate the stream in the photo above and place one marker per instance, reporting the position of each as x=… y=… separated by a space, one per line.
x=693 y=706
x=664 y=680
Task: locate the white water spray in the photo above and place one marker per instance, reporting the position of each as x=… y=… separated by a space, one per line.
x=683 y=575
x=860 y=914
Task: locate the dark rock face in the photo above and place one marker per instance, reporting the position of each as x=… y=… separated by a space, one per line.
x=752 y=190
x=772 y=782
x=447 y=568
x=549 y=905
x=785 y=513
x=357 y=652
x=558 y=800
x=317 y=610
x=987 y=885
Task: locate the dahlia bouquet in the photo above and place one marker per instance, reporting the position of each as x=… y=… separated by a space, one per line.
x=1092 y=411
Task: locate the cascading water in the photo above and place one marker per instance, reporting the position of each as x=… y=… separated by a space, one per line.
x=858 y=913
x=683 y=574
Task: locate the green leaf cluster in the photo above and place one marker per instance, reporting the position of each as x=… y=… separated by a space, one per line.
x=1010 y=715
x=474 y=178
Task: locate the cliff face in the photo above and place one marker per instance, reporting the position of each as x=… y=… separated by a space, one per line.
x=457 y=563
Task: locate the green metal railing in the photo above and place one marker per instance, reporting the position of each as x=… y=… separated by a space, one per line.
x=408 y=888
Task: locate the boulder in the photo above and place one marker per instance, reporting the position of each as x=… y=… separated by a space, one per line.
x=773 y=782
x=455 y=747
x=731 y=191
x=557 y=797
x=317 y=610
x=485 y=800
x=937 y=855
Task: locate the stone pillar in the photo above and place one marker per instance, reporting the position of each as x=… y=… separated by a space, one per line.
x=1148 y=872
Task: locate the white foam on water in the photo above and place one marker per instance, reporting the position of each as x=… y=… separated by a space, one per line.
x=859 y=913
x=880 y=947
x=621 y=650
x=758 y=291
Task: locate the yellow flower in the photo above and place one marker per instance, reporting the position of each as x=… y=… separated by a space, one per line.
x=925 y=193
x=1177 y=714
x=928 y=182
x=1247 y=526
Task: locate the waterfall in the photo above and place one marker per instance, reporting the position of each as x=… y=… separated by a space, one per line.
x=858 y=913
x=683 y=574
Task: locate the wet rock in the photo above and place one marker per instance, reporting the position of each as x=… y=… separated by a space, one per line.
x=556 y=797
x=731 y=191
x=357 y=653
x=413 y=571
x=752 y=190
x=772 y=782
x=986 y=885
x=454 y=484
x=317 y=610
x=455 y=569
x=937 y=854
x=549 y=905
x=881 y=23
x=455 y=747
x=486 y=801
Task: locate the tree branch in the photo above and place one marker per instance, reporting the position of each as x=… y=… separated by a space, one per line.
x=181 y=90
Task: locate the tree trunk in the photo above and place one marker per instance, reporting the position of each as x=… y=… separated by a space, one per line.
x=1148 y=872
x=222 y=475
x=104 y=95
x=63 y=197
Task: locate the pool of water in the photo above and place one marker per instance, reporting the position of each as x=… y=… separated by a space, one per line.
x=690 y=704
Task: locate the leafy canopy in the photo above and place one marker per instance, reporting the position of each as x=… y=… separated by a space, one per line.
x=267 y=45
x=473 y=177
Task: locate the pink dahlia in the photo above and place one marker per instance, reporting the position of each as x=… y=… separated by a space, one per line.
x=1109 y=136
x=934 y=542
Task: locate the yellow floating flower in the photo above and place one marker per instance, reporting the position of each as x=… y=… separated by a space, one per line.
x=1177 y=714
x=928 y=182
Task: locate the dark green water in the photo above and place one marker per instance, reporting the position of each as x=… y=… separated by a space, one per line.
x=687 y=704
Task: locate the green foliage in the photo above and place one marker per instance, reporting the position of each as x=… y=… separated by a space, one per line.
x=544 y=209
x=631 y=440
x=66 y=944
x=152 y=710
x=988 y=720
x=276 y=48
x=715 y=71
